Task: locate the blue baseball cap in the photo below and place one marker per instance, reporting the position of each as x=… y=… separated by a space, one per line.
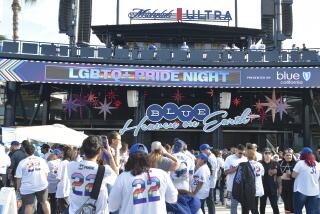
x=306 y=150
x=15 y=143
x=203 y=156
x=205 y=147
x=138 y=147
x=178 y=145
x=57 y=152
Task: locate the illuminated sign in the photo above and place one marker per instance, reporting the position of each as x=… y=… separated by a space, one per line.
x=160 y=76
x=190 y=117
x=143 y=76
x=180 y=15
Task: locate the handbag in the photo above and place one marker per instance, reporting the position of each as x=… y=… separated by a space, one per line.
x=89 y=207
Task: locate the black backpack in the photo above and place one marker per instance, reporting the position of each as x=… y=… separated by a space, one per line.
x=89 y=207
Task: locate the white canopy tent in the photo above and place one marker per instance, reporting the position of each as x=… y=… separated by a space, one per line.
x=53 y=134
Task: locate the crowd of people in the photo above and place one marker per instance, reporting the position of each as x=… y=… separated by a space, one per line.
x=106 y=176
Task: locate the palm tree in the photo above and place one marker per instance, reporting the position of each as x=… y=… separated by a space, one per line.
x=15 y=18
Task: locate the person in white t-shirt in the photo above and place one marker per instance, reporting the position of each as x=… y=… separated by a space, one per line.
x=318 y=207
x=141 y=189
x=161 y=159
x=187 y=152
x=205 y=149
x=306 y=185
x=258 y=172
x=258 y=154
x=31 y=176
x=4 y=164
x=182 y=177
x=230 y=168
x=83 y=174
x=184 y=46
x=220 y=177
x=53 y=163
x=114 y=140
x=45 y=150
x=63 y=187
x=201 y=179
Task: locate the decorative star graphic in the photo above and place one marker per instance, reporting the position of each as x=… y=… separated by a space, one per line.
x=259 y=106
x=211 y=93
x=70 y=105
x=111 y=95
x=272 y=104
x=282 y=108
x=92 y=99
x=236 y=101
x=253 y=116
x=82 y=102
x=263 y=116
x=117 y=103
x=105 y=108
x=178 y=96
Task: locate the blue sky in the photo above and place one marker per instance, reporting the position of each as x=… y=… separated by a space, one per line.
x=39 y=22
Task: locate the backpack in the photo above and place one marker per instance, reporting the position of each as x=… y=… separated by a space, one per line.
x=89 y=207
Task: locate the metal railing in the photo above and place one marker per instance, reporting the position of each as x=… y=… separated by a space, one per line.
x=190 y=56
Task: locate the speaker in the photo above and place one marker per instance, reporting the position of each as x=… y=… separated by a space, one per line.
x=132 y=98
x=287 y=21
x=65 y=15
x=84 y=24
x=225 y=100
x=267 y=28
x=267 y=8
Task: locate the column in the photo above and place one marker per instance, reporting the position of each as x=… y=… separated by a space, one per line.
x=306 y=119
x=217 y=134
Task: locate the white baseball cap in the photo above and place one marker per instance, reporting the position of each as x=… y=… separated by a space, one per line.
x=156 y=145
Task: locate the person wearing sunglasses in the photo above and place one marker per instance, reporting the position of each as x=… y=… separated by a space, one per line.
x=271 y=182
x=230 y=168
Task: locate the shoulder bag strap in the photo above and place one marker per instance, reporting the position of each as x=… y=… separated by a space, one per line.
x=97 y=183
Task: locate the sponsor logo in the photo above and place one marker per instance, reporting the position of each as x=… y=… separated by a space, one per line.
x=180 y=14
x=293 y=78
x=306 y=76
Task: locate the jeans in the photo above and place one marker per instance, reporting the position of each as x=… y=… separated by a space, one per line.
x=300 y=200
x=53 y=203
x=210 y=202
x=221 y=193
x=253 y=211
x=202 y=205
x=234 y=204
x=273 y=201
x=318 y=207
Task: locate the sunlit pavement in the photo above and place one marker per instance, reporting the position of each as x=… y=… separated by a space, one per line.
x=223 y=210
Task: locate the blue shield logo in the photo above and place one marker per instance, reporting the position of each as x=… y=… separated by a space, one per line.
x=306 y=75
